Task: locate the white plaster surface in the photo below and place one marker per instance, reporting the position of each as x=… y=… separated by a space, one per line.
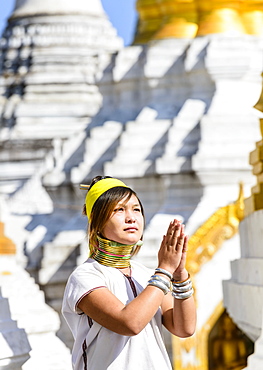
x=14 y=345
x=243 y=292
x=27 y=305
x=209 y=292
x=255 y=361
x=33 y=7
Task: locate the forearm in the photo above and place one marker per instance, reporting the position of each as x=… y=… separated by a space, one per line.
x=123 y=319
x=184 y=317
x=180 y=314
x=142 y=308
x=180 y=318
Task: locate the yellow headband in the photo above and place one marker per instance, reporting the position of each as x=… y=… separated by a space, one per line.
x=98 y=189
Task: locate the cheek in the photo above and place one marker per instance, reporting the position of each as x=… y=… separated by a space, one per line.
x=142 y=223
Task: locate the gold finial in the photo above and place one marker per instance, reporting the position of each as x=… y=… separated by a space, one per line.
x=6 y=244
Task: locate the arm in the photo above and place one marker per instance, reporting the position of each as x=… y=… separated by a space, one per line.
x=107 y=310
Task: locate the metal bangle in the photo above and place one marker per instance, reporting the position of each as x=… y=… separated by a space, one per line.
x=182 y=289
x=182 y=283
x=183 y=295
x=162 y=279
x=165 y=272
x=159 y=285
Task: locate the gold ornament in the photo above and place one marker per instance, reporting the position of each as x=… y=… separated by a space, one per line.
x=220 y=16
x=252 y=16
x=149 y=21
x=6 y=244
x=179 y=19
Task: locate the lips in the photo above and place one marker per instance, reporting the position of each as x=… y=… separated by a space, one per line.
x=131 y=229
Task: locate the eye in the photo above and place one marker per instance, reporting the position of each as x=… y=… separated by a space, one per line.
x=137 y=209
x=118 y=209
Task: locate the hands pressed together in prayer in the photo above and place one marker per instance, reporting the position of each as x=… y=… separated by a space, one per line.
x=173 y=251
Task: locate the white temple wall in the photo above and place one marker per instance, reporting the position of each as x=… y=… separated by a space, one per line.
x=243 y=292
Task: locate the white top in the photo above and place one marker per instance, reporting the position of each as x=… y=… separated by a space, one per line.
x=97 y=348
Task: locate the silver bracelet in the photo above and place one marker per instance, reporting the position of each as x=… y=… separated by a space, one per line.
x=159 y=285
x=182 y=289
x=181 y=283
x=183 y=295
x=162 y=279
x=165 y=272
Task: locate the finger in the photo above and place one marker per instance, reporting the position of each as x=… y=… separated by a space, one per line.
x=185 y=245
x=180 y=243
x=163 y=242
x=170 y=232
x=180 y=239
x=176 y=234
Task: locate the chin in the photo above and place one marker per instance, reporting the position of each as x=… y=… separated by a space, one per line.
x=129 y=241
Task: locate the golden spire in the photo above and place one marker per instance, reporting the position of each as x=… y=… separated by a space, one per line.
x=220 y=16
x=252 y=16
x=255 y=201
x=149 y=20
x=6 y=244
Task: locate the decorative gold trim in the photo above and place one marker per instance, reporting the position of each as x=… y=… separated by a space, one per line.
x=162 y=19
x=179 y=19
x=255 y=201
x=150 y=20
x=222 y=225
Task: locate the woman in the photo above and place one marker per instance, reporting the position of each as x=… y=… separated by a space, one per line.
x=114 y=306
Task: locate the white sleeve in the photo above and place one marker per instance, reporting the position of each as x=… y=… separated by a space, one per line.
x=81 y=282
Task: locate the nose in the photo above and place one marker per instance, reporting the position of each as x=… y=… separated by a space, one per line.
x=130 y=218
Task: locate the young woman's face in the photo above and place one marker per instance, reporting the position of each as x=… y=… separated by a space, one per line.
x=126 y=222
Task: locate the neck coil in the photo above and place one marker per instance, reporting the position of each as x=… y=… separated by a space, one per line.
x=112 y=254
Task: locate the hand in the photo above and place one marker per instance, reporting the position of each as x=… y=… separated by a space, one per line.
x=173 y=250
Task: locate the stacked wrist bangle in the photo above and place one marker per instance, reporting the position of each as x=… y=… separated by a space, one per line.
x=182 y=289
x=160 y=283
x=164 y=272
x=179 y=289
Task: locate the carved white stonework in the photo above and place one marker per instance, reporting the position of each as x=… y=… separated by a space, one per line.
x=14 y=345
x=105 y=135
x=51 y=54
x=28 y=308
x=208 y=98
x=243 y=292
x=230 y=124
x=25 y=8
x=183 y=138
x=255 y=361
x=141 y=161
